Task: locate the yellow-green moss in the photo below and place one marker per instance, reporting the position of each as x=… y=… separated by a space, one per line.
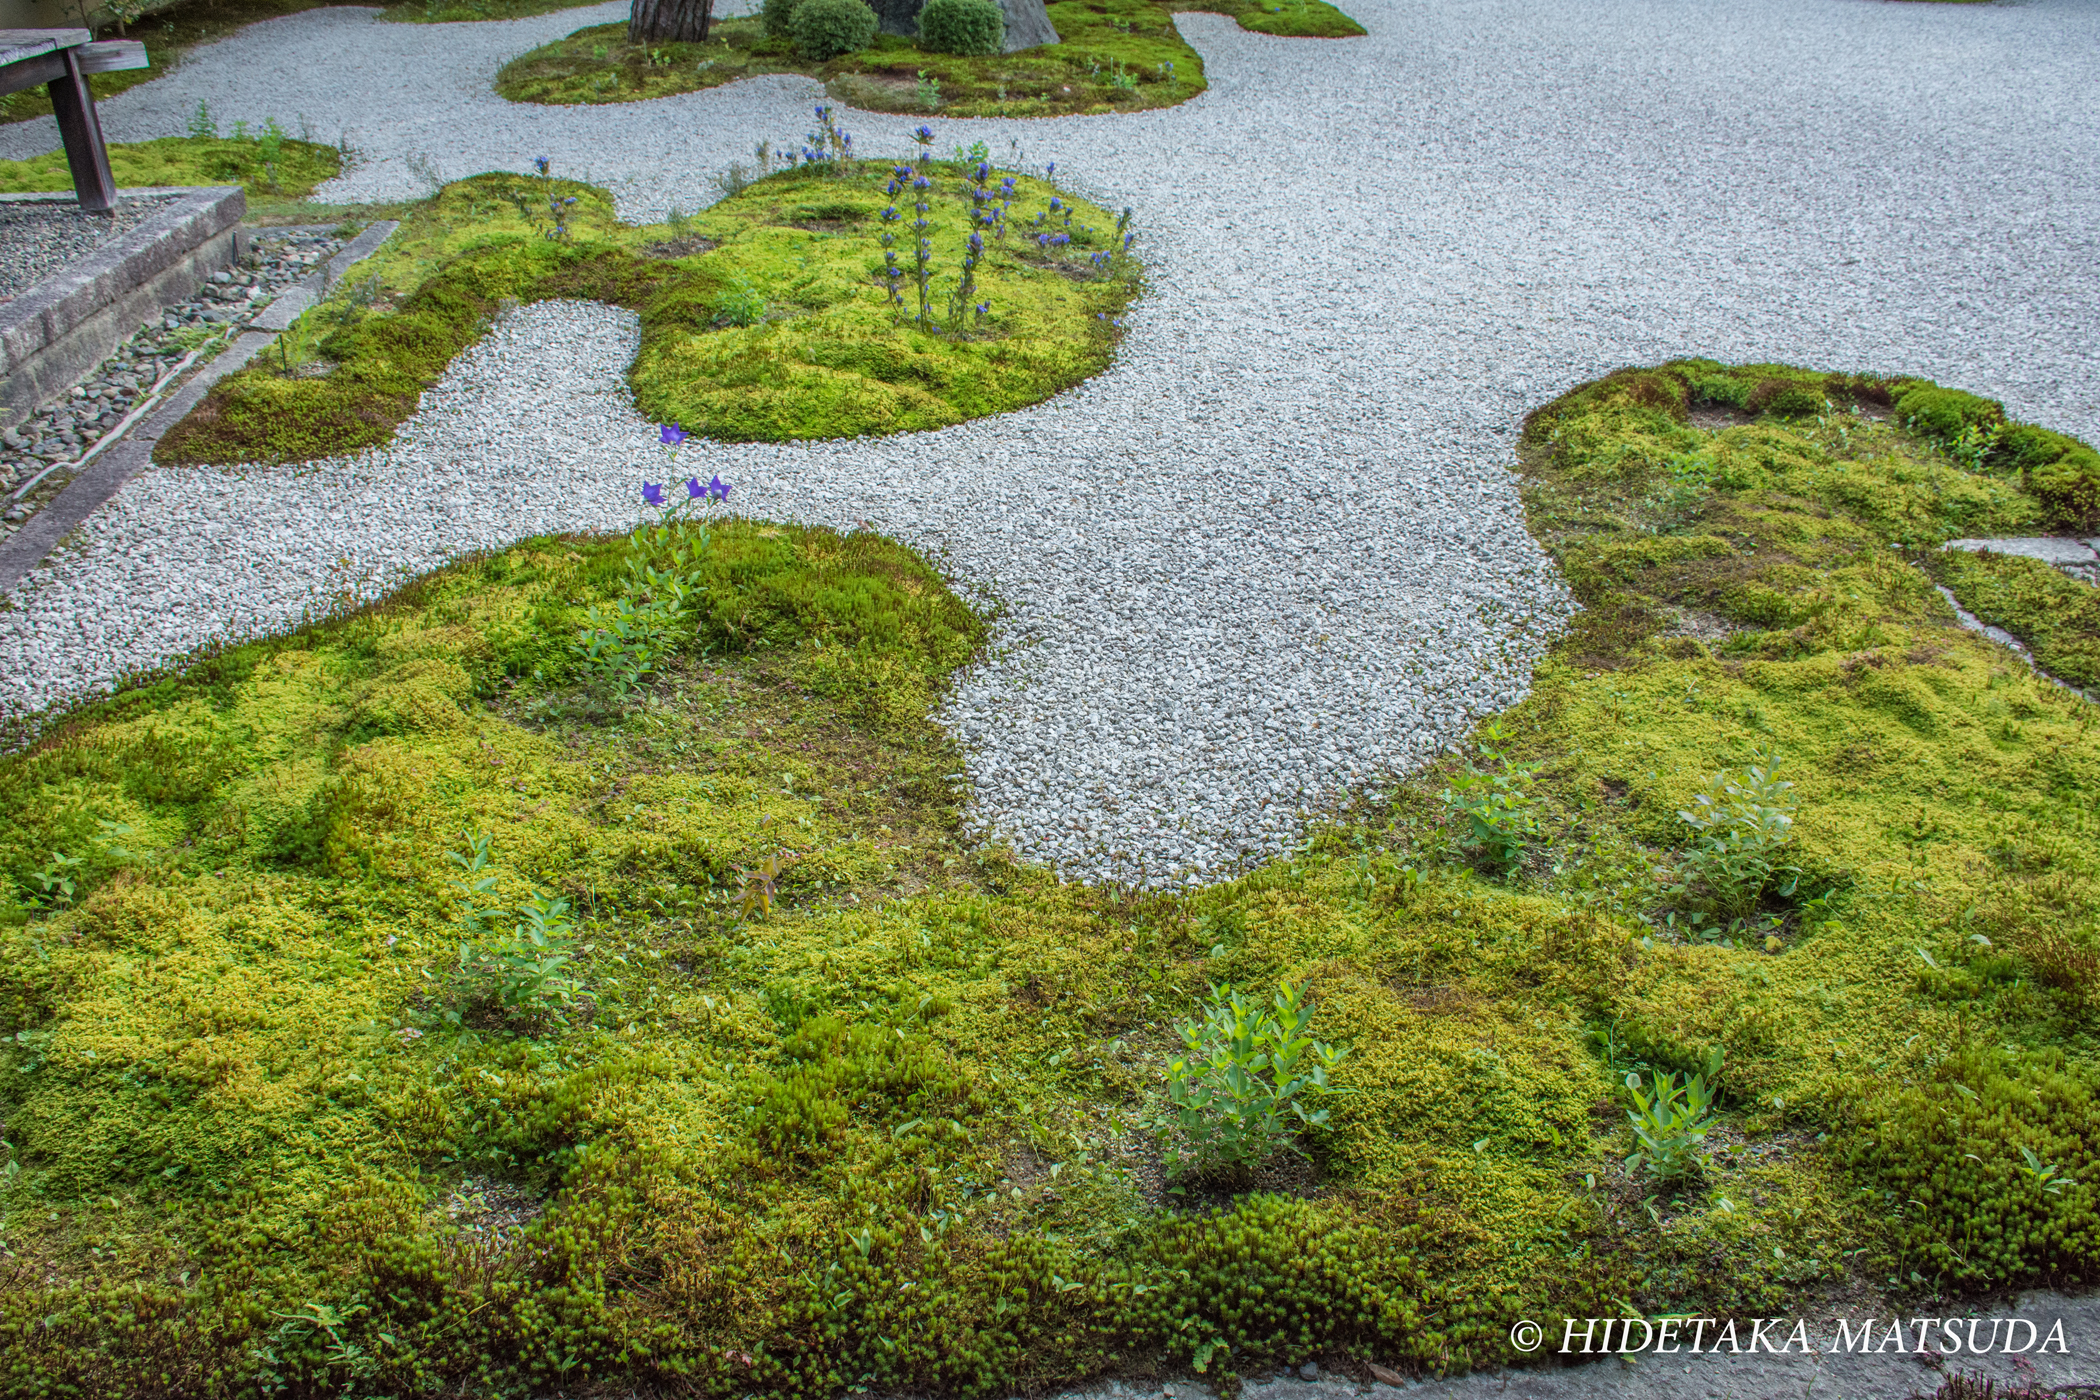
x=181 y=160
x=928 y=1066
x=2056 y=615
x=827 y=357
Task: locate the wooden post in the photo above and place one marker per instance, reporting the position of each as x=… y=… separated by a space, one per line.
x=82 y=132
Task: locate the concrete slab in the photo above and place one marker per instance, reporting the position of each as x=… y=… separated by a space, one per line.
x=74 y=319
x=2050 y=549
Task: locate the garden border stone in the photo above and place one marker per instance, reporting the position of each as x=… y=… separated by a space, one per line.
x=77 y=317
x=28 y=546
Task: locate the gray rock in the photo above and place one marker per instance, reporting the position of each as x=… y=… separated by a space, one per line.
x=2050 y=549
x=1309 y=1371
x=1027 y=22
x=1028 y=25
x=898 y=16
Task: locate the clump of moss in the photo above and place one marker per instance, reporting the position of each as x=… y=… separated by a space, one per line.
x=812 y=347
x=895 y=1125
x=2057 y=616
x=297 y=166
x=1112 y=56
x=1289 y=19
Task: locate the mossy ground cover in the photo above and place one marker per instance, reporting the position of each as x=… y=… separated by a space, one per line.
x=894 y=1127
x=764 y=317
x=290 y=171
x=1113 y=56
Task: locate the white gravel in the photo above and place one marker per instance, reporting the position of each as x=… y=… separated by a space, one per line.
x=1275 y=552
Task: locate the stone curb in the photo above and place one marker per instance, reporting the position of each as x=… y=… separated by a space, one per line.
x=27 y=547
x=49 y=332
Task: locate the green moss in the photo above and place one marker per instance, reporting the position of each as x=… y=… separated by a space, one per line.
x=1290 y=19
x=925 y=1065
x=177 y=160
x=824 y=354
x=2057 y=616
x=1112 y=56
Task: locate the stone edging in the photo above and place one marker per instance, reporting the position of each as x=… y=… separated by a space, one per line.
x=57 y=329
x=28 y=546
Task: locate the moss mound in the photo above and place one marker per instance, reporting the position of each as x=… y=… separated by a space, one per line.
x=837 y=1098
x=1286 y=19
x=764 y=318
x=297 y=167
x=1112 y=56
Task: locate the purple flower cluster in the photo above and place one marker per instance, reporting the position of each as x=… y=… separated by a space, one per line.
x=714 y=489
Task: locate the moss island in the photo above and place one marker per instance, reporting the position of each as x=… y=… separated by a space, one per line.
x=391 y=1006
x=1112 y=56
x=767 y=317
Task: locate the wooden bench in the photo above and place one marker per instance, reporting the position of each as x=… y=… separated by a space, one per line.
x=62 y=59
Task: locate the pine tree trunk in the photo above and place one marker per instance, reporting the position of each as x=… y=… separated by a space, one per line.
x=675 y=21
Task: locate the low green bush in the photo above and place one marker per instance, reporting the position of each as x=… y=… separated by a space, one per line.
x=824 y=29
x=962 y=26
x=779 y=16
x=1250 y=1078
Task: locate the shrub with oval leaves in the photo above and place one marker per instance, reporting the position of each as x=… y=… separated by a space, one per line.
x=824 y=29
x=962 y=26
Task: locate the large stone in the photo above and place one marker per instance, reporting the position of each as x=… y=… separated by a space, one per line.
x=1027 y=25
x=897 y=16
x=1027 y=22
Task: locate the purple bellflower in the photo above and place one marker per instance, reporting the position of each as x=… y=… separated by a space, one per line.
x=653 y=493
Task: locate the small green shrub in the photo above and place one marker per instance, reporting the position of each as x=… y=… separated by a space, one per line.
x=621 y=643
x=1739 y=824
x=516 y=978
x=962 y=26
x=1671 y=1122
x=779 y=17
x=740 y=304
x=824 y=29
x=1497 y=803
x=1241 y=1090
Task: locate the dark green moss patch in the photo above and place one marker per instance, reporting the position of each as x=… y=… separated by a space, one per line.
x=1113 y=56
x=816 y=349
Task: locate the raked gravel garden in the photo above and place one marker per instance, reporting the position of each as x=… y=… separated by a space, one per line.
x=1303 y=596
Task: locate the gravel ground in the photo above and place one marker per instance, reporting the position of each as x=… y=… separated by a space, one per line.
x=38 y=237
x=1275 y=551
x=60 y=431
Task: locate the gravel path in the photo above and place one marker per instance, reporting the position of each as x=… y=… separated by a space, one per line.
x=38 y=238
x=1275 y=551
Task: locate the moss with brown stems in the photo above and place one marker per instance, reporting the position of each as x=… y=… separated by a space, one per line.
x=763 y=318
